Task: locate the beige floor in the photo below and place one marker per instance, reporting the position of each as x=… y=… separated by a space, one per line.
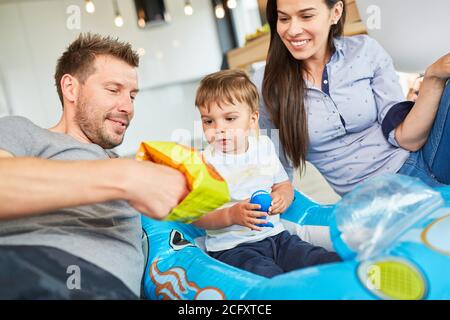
x=315 y=186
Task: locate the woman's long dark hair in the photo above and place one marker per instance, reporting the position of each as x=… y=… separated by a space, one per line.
x=284 y=88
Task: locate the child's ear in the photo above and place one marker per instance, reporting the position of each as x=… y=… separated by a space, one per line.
x=254 y=118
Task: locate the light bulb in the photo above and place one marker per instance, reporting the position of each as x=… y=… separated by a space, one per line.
x=141 y=22
x=89 y=6
x=231 y=4
x=220 y=11
x=118 y=21
x=188 y=10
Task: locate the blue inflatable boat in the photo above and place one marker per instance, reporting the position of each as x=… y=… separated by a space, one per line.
x=392 y=232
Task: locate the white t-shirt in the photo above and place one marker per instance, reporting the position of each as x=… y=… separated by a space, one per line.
x=259 y=168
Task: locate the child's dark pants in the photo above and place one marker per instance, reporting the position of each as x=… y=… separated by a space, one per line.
x=275 y=255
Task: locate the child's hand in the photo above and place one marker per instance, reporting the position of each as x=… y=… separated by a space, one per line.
x=413 y=92
x=245 y=214
x=279 y=203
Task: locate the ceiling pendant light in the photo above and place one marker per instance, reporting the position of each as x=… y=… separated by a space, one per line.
x=141 y=18
x=231 y=4
x=188 y=10
x=118 y=20
x=89 y=6
x=141 y=22
x=219 y=11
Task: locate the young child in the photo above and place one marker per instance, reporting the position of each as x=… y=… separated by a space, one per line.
x=228 y=104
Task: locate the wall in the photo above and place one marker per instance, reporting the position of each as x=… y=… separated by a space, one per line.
x=413 y=32
x=34 y=33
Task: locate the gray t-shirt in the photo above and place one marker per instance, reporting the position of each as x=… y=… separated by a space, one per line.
x=106 y=234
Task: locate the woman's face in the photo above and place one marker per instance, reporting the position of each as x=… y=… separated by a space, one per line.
x=304 y=25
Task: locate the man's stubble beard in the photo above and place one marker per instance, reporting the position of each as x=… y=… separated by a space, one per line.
x=93 y=126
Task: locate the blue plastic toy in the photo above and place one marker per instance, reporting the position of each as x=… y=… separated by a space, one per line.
x=264 y=199
x=392 y=233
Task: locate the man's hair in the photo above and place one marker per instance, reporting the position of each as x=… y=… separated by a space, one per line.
x=79 y=58
x=227 y=87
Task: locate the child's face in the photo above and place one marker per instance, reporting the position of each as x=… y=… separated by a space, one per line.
x=227 y=127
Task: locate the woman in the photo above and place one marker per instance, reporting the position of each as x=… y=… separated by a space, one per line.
x=337 y=101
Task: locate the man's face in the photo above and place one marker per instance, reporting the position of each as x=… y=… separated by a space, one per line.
x=105 y=103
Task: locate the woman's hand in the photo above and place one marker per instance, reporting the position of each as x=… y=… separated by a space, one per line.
x=413 y=132
x=282 y=197
x=440 y=70
x=279 y=203
x=245 y=214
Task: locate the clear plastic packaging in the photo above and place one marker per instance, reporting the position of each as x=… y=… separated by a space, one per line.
x=380 y=210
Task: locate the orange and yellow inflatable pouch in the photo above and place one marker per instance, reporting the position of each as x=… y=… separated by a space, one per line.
x=208 y=190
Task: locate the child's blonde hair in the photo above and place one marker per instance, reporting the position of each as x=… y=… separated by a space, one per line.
x=227 y=87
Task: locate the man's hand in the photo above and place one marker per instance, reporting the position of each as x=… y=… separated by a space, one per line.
x=245 y=214
x=153 y=189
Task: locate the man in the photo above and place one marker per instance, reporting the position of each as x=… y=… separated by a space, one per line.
x=71 y=228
